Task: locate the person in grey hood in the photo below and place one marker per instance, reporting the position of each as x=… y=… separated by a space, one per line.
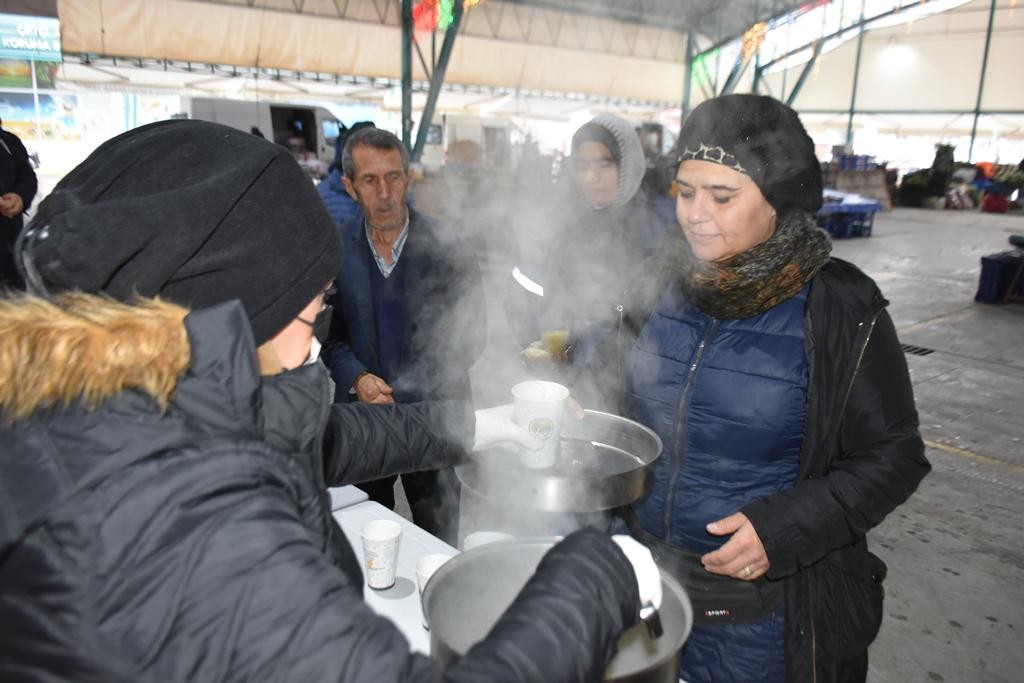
x=166 y=436
x=573 y=268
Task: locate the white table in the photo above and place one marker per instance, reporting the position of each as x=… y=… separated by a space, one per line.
x=401 y=602
x=343 y=496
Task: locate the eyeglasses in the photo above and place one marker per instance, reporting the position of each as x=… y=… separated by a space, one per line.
x=327 y=294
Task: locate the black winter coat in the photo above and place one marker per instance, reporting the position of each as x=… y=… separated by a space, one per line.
x=582 y=265
x=196 y=544
x=17 y=176
x=862 y=456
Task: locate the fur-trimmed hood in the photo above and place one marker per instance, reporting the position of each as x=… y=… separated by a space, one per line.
x=90 y=388
x=87 y=347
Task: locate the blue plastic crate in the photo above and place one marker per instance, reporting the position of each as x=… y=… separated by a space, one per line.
x=848 y=224
x=1001 y=277
x=856 y=162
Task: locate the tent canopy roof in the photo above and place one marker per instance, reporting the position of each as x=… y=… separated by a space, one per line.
x=717 y=19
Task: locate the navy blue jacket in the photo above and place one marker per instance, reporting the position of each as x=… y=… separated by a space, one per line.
x=444 y=314
x=727 y=398
x=17 y=176
x=337 y=200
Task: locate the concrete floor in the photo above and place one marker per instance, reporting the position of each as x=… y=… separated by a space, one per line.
x=955 y=592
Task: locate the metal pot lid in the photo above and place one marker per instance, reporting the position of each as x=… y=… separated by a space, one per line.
x=604 y=461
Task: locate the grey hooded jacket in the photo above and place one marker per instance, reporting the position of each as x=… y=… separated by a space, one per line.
x=573 y=266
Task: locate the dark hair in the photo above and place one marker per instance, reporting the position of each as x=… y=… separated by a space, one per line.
x=371 y=137
x=595 y=132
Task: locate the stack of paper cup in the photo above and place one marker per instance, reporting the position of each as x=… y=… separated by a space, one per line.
x=380 y=552
x=538 y=408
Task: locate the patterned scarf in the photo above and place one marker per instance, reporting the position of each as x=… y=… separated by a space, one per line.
x=759 y=278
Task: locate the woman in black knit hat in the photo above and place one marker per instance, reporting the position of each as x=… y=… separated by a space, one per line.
x=773 y=375
x=166 y=437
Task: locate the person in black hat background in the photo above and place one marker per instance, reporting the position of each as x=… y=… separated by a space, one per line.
x=18 y=185
x=774 y=377
x=166 y=437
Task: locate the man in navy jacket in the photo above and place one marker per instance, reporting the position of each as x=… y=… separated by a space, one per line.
x=17 y=189
x=410 y=317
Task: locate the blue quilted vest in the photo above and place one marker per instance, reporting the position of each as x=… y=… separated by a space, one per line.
x=728 y=399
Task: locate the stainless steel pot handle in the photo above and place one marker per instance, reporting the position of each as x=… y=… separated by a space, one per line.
x=652 y=620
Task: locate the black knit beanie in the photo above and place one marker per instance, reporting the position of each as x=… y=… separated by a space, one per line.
x=194 y=212
x=761 y=137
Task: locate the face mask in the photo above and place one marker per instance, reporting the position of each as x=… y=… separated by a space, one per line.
x=314 y=352
x=321 y=324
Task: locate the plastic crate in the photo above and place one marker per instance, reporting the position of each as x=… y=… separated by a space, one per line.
x=1001 y=277
x=848 y=224
x=856 y=162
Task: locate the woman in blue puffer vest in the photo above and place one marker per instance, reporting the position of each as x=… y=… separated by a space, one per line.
x=773 y=376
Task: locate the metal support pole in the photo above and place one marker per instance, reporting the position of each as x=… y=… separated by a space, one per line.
x=856 y=77
x=437 y=80
x=734 y=76
x=981 y=83
x=808 y=67
x=757 y=55
x=407 y=73
x=758 y=73
x=687 y=80
x=785 y=71
x=35 y=100
x=428 y=70
x=718 y=67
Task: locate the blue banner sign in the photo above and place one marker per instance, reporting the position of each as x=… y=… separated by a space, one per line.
x=25 y=37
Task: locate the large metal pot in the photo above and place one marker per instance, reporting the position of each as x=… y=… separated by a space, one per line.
x=466 y=596
x=605 y=461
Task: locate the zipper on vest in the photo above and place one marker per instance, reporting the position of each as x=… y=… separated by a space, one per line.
x=619 y=308
x=681 y=420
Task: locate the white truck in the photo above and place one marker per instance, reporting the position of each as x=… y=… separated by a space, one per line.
x=466 y=139
x=308 y=130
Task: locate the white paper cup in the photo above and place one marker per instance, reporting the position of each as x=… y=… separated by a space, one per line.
x=426 y=566
x=479 y=538
x=380 y=552
x=539 y=407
